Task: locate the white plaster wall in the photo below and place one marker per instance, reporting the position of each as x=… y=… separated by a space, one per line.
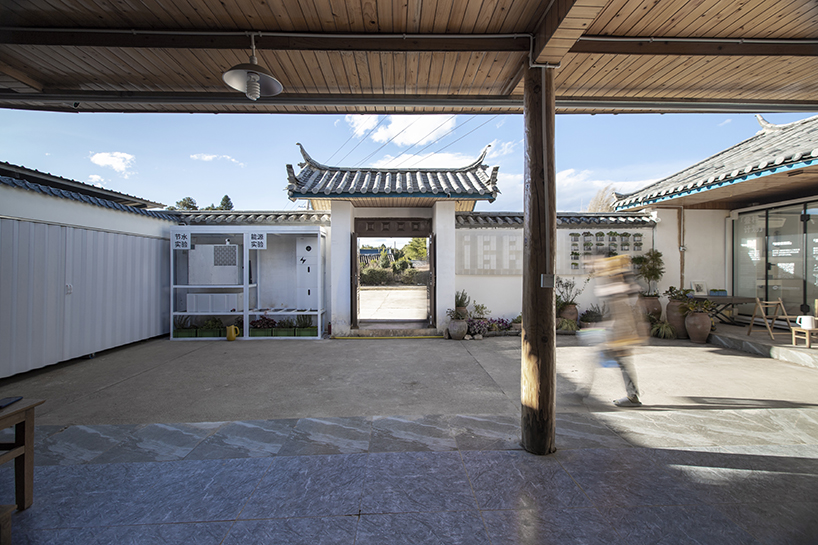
x=443 y=225
x=503 y=295
x=28 y=205
x=706 y=255
x=666 y=240
x=339 y=265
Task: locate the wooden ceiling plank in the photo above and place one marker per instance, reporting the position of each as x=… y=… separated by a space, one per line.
x=514 y=14
x=375 y=73
x=427 y=16
x=454 y=25
x=412 y=69
x=386 y=15
x=324 y=10
x=388 y=72
x=605 y=17
x=369 y=14
x=399 y=69
x=735 y=21
x=472 y=64
x=424 y=67
x=627 y=15
x=800 y=21
x=21 y=77
x=341 y=16
x=461 y=64
x=647 y=24
x=327 y=71
x=362 y=69
x=302 y=15
x=680 y=22
x=435 y=73
x=355 y=16
x=313 y=68
x=442 y=15
x=471 y=15
x=413 y=16
x=351 y=71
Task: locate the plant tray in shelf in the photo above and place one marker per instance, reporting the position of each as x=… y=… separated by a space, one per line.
x=264 y=332
x=306 y=332
x=184 y=333
x=211 y=332
x=284 y=332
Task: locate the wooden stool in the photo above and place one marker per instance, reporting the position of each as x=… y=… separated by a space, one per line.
x=5 y=523
x=769 y=321
x=803 y=333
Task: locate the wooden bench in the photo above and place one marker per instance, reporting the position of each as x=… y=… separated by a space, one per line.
x=5 y=523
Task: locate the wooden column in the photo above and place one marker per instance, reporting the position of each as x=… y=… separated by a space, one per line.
x=539 y=370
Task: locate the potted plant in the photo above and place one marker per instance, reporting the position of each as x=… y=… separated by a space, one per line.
x=673 y=310
x=650 y=267
x=587 y=236
x=517 y=322
x=566 y=297
x=182 y=327
x=262 y=327
x=593 y=316
x=662 y=329
x=212 y=327
x=574 y=237
x=461 y=302
x=613 y=236
x=457 y=323
x=697 y=319
x=567 y=326
x=284 y=328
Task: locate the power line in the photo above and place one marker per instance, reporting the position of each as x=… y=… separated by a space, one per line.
x=388 y=141
x=459 y=139
x=363 y=139
x=423 y=138
x=436 y=141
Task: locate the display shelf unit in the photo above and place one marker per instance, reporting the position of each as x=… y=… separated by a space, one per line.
x=239 y=273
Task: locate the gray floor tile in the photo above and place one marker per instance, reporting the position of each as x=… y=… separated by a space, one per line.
x=416 y=482
x=577 y=430
x=211 y=533
x=159 y=443
x=79 y=444
x=449 y=528
x=683 y=525
x=486 y=432
x=247 y=439
x=309 y=486
x=294 y=531
x=197 y=490
x=519 y=480
x=328 y=436
x=565 y=527
x=411 y=433
x=777 y=523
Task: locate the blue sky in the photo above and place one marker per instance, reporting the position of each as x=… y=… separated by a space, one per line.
x=164 y=157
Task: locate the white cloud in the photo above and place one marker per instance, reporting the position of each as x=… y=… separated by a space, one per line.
x=498 y=149
x=96 y=180
x=120 y=161
x=414 y=129
x=725 y=122
x=575 y=189
x=361 y=123
x=212 y=157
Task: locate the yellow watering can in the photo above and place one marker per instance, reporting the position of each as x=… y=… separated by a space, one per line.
x=232 y=332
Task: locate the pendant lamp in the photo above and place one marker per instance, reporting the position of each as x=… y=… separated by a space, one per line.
x=251 y=79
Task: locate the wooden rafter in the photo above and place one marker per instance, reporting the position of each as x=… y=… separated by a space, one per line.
x=694 y=46
x=561 y=27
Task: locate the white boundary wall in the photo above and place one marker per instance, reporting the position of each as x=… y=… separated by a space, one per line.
x=76 y=279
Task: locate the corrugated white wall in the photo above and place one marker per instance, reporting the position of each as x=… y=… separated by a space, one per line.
x=67 y=292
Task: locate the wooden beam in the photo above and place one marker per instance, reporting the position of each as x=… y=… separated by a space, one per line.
x=538 y=387
x=22 y=77
x=561 y=27
x=695 y=46
x=270 y=41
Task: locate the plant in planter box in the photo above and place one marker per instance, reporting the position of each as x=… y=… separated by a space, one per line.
x=574 y=237
x=212 y=327
x=613 y=236
x=461 y=302
x=457 y=323
x=285 y=328
x=182 y=327
x=673 y=310
x=304 y=326
x=587 y=236
x=262 y=327
x=517 y=322
x=600 y=236
x=697 y=319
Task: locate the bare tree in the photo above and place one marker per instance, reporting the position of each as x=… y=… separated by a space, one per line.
x=603 y=200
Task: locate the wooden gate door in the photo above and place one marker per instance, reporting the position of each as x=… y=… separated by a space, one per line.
x=432 y=286
x=354 y=281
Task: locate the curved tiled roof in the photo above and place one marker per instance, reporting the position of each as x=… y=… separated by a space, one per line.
x=226 y=217
x=320 y=181
x=564 y=219
x=775 y=148
x=88 y=199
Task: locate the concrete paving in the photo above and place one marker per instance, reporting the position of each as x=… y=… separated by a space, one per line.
x=393 y=303
x=416 y=441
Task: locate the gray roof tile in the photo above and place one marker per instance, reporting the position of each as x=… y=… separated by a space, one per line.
x=773 y=148
x=94 y=201
x=564 y=219
x=320 y=181
x=215 y=217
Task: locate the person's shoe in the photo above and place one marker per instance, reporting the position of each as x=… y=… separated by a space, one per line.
x=628 y=402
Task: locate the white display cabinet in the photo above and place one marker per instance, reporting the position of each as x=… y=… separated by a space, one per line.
x=253 y=277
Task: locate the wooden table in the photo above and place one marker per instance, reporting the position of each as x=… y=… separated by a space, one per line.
x=725 y=302
x=804 y=334
x=21 y=416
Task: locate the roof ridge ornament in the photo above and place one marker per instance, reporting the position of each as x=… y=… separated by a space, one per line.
x=766 y=126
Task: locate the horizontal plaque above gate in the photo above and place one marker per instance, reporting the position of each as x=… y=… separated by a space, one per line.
x=389 y=227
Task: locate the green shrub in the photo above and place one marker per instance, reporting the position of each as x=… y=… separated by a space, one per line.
x=375 y=277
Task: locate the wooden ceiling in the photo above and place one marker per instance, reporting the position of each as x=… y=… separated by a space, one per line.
x=378 y=56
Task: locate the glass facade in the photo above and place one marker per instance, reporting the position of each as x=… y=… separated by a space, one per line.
x=775 y=254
